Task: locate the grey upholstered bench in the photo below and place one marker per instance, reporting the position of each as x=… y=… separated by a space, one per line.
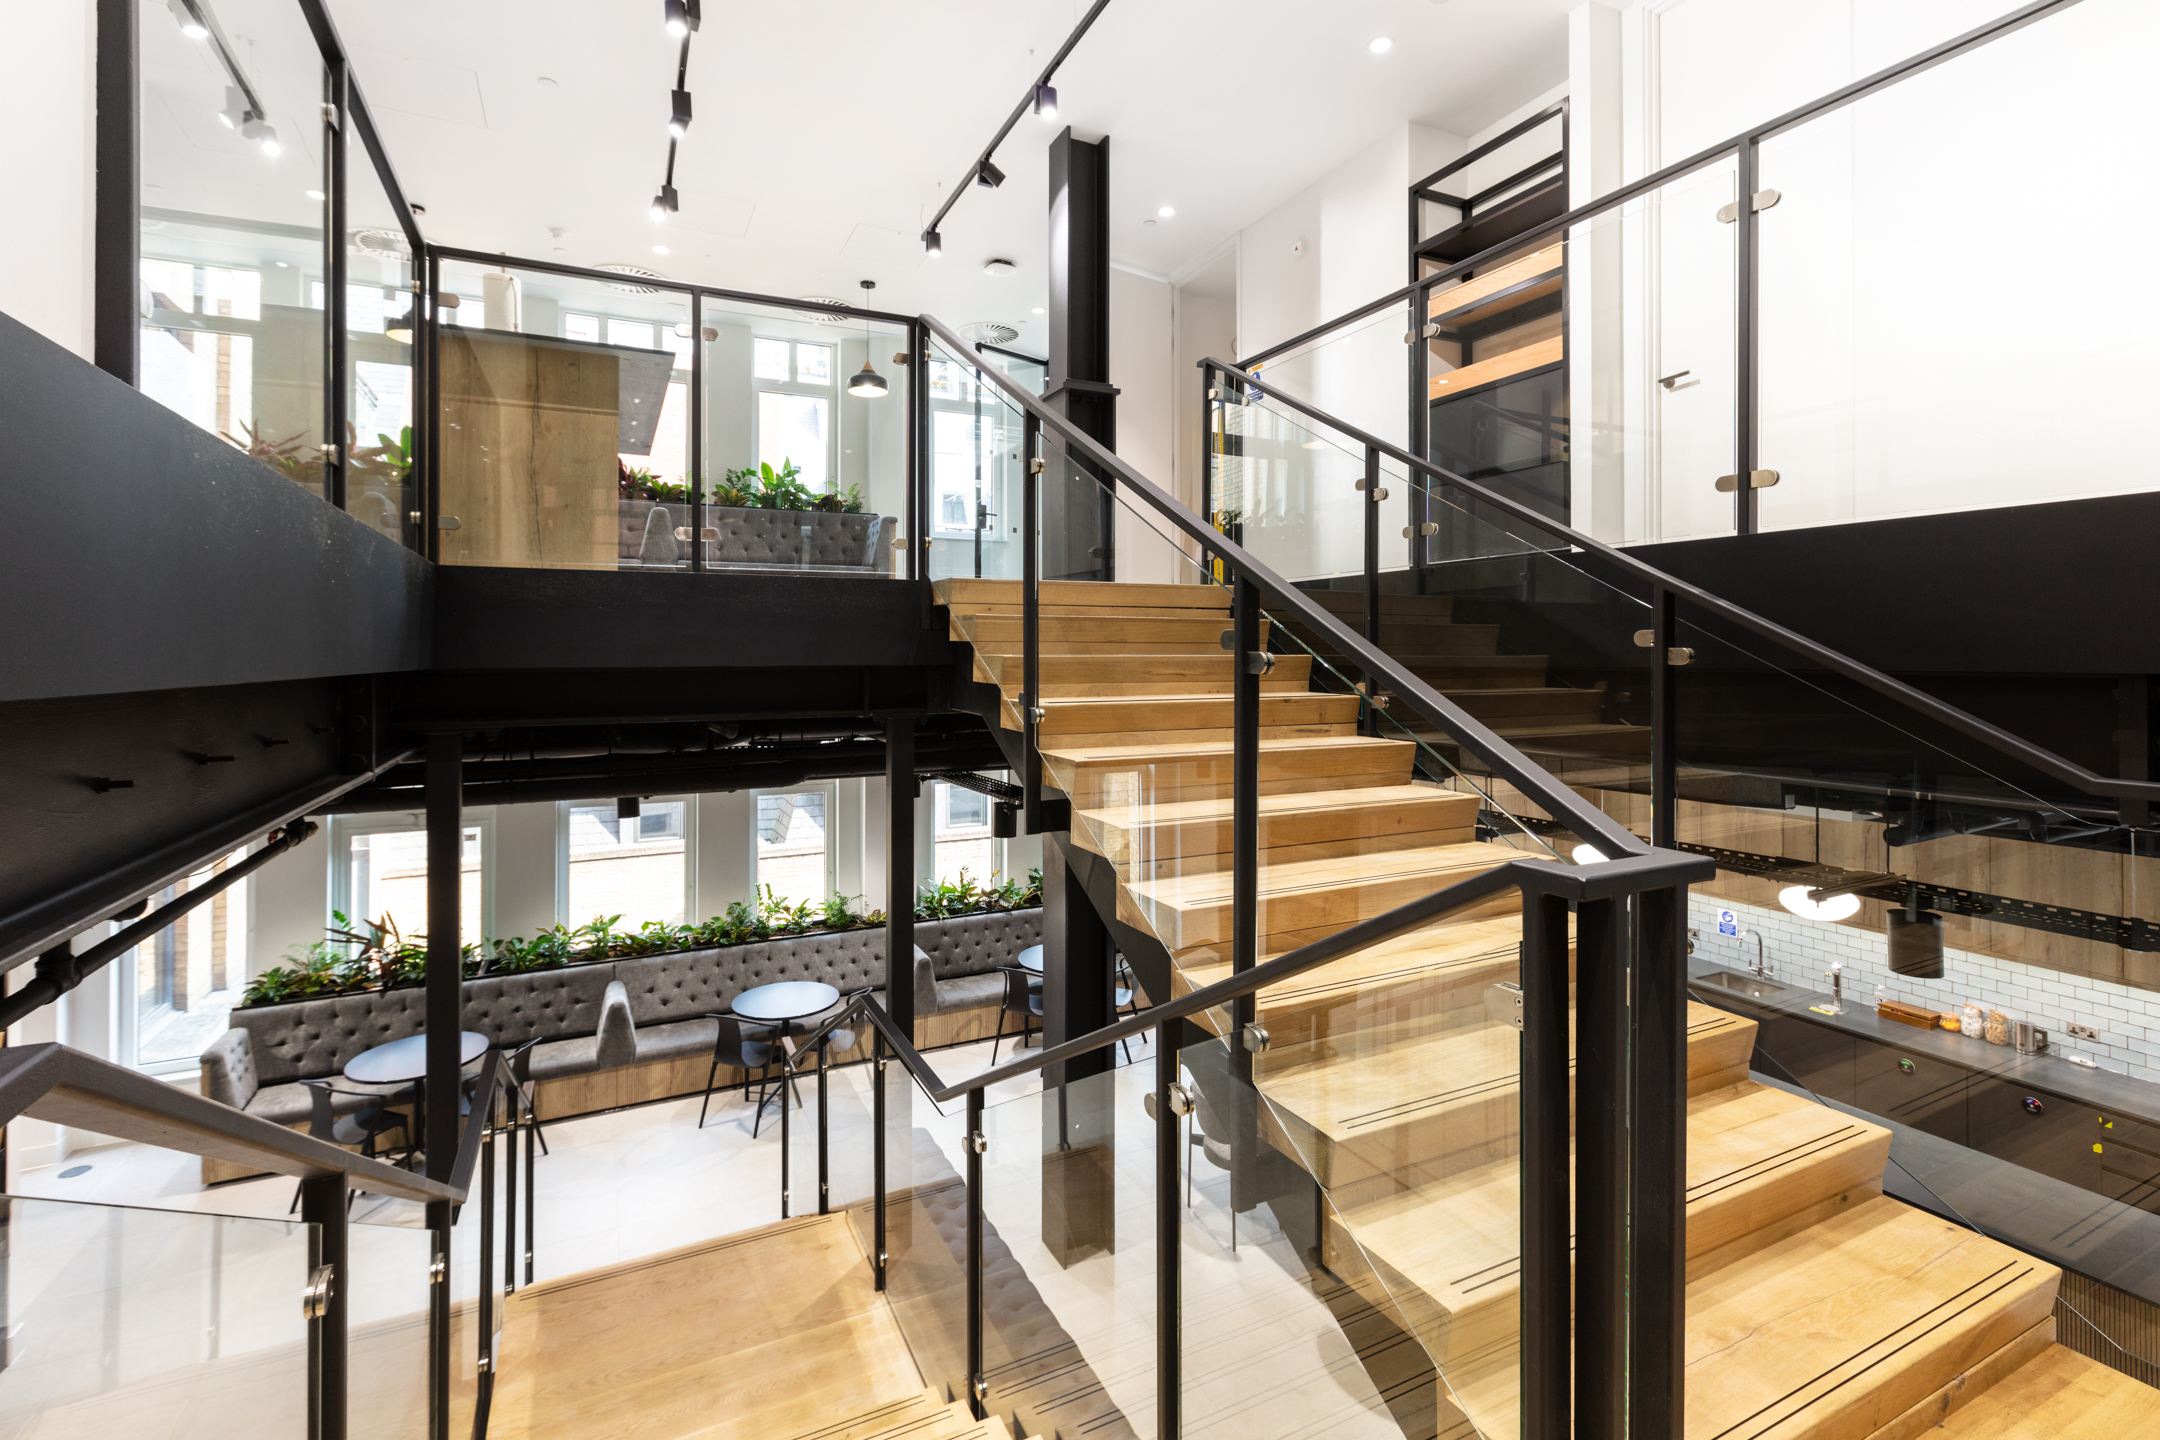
x=646 y=1014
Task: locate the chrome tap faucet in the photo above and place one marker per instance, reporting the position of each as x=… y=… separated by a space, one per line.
x=1836 y=972
x=1761 y=967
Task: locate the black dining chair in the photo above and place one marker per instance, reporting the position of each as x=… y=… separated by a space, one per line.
x=1023 y=997
x=359 y=1128
x=840 y=1038
x=1202 y=1129
x=732 y=1046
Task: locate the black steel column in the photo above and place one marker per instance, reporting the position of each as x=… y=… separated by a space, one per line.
x=978 y=1389
x=1657 y=1273
x=1746 y=287
x=1079 y=1130
x=1664 y=719
x=445 y=906
x=1601 y=1156
x=900 y=788
x=431 y=491
x=1169 y=1213
x=1080 y=518
x=1547 y=1261
x=336 y=397
x=117 y=244
x=322 y=1205
x=916 y=527
x=1078 y=972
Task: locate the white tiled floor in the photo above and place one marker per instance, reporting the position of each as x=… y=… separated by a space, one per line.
x=1264 y=1356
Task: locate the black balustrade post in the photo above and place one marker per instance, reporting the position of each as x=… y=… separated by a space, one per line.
x=1664 y=719
x=431 y=491
x=877 y=1152
x=336 y=393
x=1657 y=1203
x=787 y=1145
x=444 y=989
x=1746 y=271
x=824 y=1161
x=697 y=430
x=1171 y=1105
x=1601 y=1162
x=1207 y=456
x=1368 y=712
x=1547 y=1262
x=439 y=1318
x=532 y=1185
x=900 y=794
x=510 y=1190
x=1245 y=660
x=483 y=1115
x=1031 y=624
x=978 y=1387
x=322 y=1204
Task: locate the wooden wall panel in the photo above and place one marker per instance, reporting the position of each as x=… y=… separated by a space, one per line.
x=529 y=465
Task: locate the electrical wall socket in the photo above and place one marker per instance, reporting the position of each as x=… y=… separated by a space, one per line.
x=2082 y=1032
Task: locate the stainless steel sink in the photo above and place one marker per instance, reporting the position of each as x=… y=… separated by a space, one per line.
x=1741 y=984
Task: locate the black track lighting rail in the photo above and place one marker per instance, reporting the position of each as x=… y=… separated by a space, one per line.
x=680 y=17
x=982 y=172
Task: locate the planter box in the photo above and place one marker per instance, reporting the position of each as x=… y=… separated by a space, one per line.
x=656 y=533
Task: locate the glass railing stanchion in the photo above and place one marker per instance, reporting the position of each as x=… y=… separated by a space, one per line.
x=1547 y=1228
x=824 y=1159
x=1657 y=1271
x=877 y=1152
x=1601 y=1179
x=1031 y=624
x=978 y=1386
x=323 y=1200
x=1368 y=721
x=1172 y=1104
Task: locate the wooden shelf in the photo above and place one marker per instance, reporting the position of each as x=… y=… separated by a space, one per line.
x=1500 y=367
x=1516 y=283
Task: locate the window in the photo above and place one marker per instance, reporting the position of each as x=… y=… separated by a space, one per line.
x=581 y=327
x=956 y=463
x=962 y=839
x=379 y=874
x=637 y=334
x=188 y=975
x=791 y=844
x=794 y=428
x=638 y=868
x=794 y=407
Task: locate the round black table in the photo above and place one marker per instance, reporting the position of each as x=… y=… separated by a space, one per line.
x=785 y=1001
x=401 y=1062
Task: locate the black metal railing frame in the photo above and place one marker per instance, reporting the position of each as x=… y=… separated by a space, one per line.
x=1743 y=150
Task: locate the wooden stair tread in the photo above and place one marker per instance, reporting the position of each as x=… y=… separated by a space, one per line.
x=1844 y=1326
x=629 y=1349
x=1170 y=752
x=927 y=1416
x=965 y=591
x=1353 y=1110
x=1197 y=832
x=2057 y=1395
x=1448 y=1252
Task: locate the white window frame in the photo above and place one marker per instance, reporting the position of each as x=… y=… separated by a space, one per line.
x=831 y=791
x=1000 y=848
x=343 y=829
x=562 y=854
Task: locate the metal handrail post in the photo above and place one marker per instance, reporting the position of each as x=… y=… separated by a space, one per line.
x=787 y=1075
x=978 y=1387
x=323 y=1202
x=483 y=1115
x=1547 y=1228
x=824 y=1158
x=1368 y=711
x=510 y=1189
x=1031 y=624
x=1601 y=1184
x=877 y=1152
x=1170 y=1108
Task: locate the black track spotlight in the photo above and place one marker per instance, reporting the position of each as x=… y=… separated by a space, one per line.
x=933 y=244
x=989 y=176
x=681 y=16
x=1046 y=100
x=665 y=203
x=678 y=124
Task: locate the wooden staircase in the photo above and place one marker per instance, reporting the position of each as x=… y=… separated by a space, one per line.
x=1817 y=1307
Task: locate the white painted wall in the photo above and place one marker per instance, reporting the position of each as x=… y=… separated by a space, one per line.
x=1142 y=357
x=48 y=111
x=1918 y=351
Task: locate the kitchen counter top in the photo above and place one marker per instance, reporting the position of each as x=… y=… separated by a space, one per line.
x=2102 y=1089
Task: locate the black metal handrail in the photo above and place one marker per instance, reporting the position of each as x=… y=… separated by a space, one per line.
x=1509 y=763
x=1422 y=472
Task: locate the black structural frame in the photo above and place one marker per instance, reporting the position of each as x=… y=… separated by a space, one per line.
x=1742 y=150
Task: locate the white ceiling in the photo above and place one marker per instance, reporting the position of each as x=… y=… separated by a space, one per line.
x=827 y=131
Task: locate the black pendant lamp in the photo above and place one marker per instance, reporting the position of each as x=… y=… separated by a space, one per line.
x=867 y=384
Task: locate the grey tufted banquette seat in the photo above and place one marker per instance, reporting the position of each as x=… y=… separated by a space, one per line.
x=657 y=1009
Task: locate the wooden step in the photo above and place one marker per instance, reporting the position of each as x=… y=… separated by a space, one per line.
x=1845 y=1326
x=1097 y=635
x=1537 y=738
x=1077 y=676
x=1352 y=602
x=1541 y=706
x=2057 y=1395
x=1098 y=776
x=1192 y=908
x=1432 y=641
x=1476 y=672
x=809 y=1338
x=1108 y=720
x=965 y=594
x=1761 y=1163
x=928 y=1416
x=1196 y=834
x=1446 y=1102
